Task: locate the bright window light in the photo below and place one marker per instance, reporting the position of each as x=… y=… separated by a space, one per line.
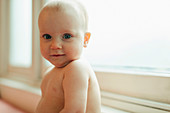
x=21 y=33
x=129 y=33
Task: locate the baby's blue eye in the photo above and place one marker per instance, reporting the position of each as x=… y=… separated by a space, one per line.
x=67 y=36
x=47 y=36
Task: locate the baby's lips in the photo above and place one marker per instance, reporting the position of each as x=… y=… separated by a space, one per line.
x=57 y=55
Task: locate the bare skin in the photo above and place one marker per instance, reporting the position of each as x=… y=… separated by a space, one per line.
x=71 y=86
x=64 y=88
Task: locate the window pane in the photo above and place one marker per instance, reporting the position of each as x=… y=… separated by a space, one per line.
x=21 y=33
x=129 y=33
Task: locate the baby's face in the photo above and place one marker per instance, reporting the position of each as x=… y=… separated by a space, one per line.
x=61 y=36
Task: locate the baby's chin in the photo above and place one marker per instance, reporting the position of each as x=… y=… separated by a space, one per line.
x=61 y=65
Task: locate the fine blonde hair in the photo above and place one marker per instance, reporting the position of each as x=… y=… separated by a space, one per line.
x=61 y=5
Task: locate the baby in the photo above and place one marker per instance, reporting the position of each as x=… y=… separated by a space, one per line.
x=71 y=85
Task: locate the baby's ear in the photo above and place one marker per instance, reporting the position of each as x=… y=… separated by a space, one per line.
x=86 y=38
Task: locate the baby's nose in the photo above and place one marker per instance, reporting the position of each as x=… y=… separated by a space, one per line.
x=56 y=44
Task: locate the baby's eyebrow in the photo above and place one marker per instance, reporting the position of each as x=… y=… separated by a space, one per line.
x=45 y=32
x=41 y=34
x=69 y=31
x=60 y=32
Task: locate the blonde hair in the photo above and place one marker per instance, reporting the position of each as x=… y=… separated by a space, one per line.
x=61 y=5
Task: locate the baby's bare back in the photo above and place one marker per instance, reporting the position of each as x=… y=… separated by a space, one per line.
x=53 y=101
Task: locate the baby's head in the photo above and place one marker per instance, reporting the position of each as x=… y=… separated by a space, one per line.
x=65 y=6
x=63 y=31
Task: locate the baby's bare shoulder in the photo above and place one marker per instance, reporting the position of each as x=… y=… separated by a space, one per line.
x=78 y=67
x=77 y=70
x=81 y=64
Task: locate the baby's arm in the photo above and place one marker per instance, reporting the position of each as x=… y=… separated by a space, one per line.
x=75 y=86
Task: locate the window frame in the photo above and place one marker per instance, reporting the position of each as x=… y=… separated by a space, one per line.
x=4 y=36
x=32 y=73
x=141 y=93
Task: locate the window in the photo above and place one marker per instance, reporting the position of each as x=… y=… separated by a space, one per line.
x=129 y=34
x=21 y=33
x=20 y=54
x=20 y=39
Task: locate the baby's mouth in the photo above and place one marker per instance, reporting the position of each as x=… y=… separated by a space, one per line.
x=57 y=55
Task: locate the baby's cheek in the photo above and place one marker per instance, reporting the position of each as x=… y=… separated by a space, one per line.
x=44 y=52
x=76 y=52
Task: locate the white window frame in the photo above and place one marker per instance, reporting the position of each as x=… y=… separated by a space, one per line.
x=28 y=74
x=133 y=92
x=140 y=93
